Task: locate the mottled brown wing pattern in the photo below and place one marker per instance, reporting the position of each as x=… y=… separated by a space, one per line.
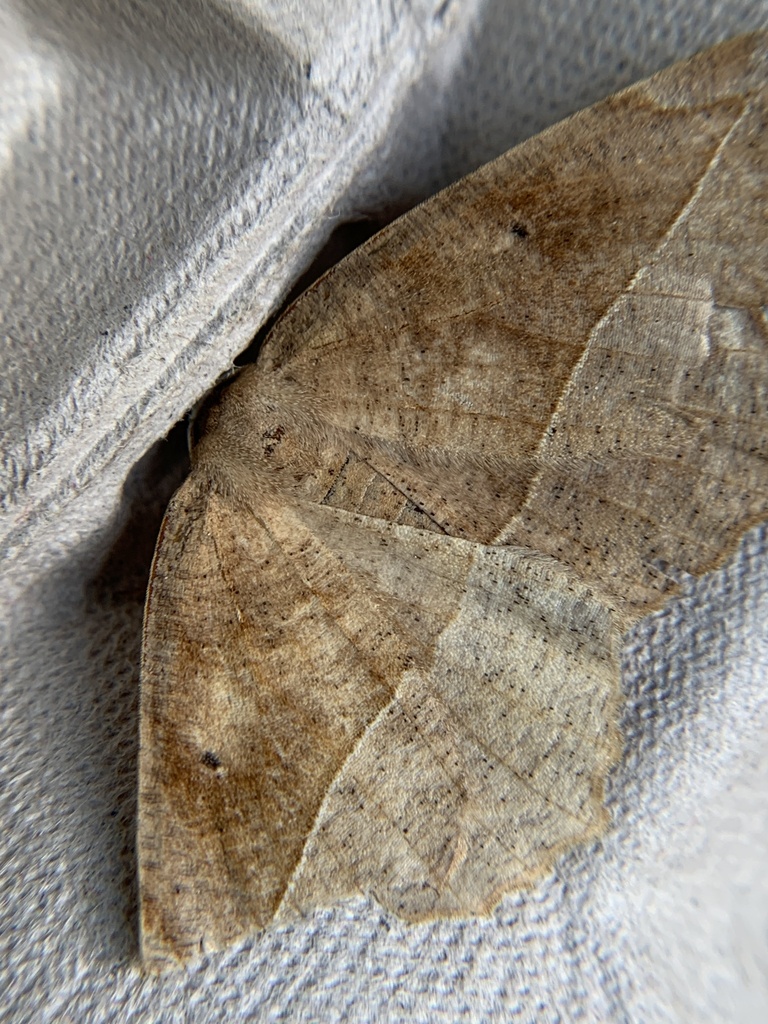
x=382 y=632
x=304 y=654
x=603 y=327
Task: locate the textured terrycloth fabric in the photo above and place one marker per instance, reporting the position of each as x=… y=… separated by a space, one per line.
x=168 y=170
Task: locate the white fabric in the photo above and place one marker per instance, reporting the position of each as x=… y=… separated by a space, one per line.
x=167 y=171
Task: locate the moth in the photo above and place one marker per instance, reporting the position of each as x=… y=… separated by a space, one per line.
x=382 y=633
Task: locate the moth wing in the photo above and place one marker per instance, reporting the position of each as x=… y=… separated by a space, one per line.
x=335 y=705
x=491 y=756
x=263 y=662
x=567 y=350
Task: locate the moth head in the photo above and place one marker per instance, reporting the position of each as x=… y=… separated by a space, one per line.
x=248 y=439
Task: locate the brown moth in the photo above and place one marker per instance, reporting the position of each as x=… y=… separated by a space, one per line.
x=382 y=636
